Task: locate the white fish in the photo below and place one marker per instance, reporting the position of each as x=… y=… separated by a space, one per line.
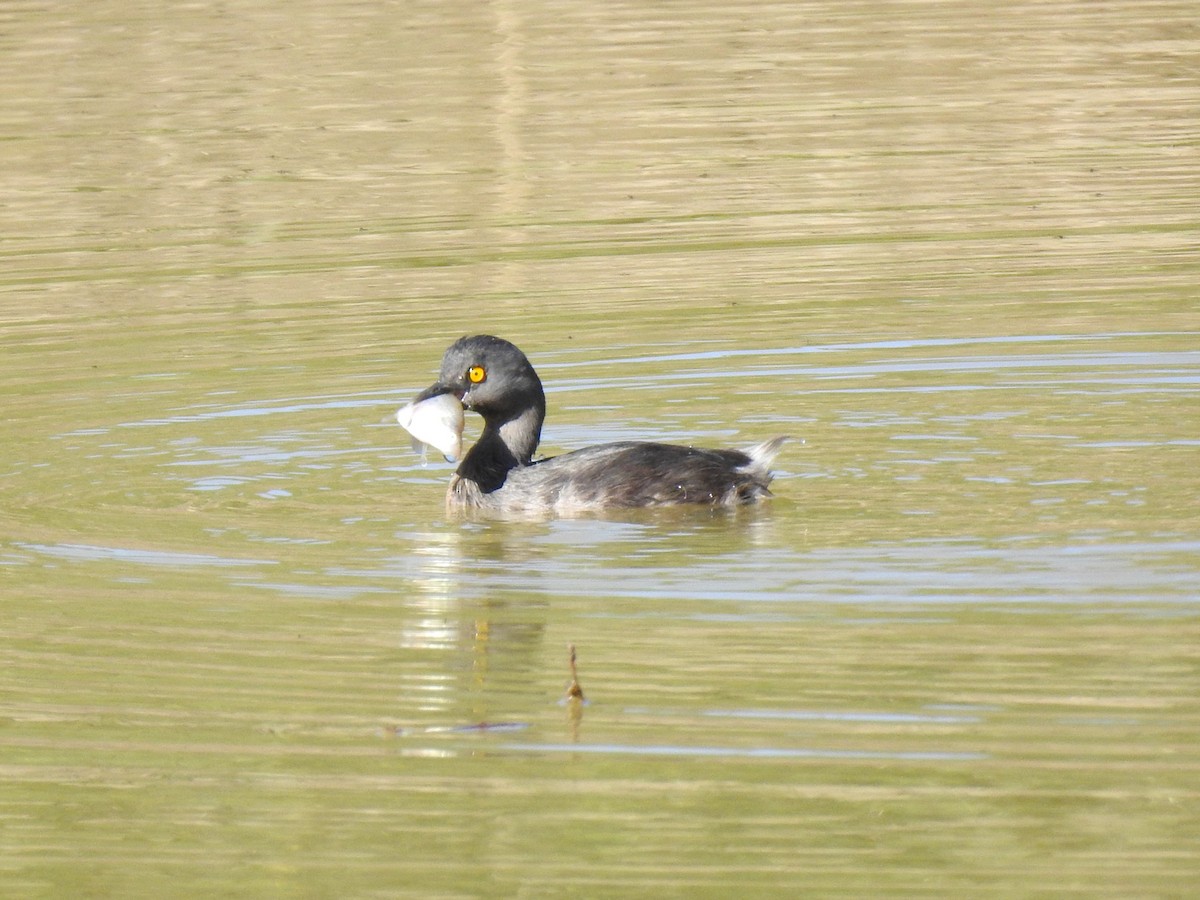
x=436 y=422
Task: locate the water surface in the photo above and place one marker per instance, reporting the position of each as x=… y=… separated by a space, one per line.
x=950 y=248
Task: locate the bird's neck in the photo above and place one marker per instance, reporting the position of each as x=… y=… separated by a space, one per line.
x=522 y=433
x=502 y=447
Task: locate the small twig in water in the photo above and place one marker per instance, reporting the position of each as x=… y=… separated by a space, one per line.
x=574 y=691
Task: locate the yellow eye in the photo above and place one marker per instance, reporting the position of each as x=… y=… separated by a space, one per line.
x=476 y=374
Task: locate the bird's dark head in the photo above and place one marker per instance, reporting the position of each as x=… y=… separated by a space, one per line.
x=491 y=377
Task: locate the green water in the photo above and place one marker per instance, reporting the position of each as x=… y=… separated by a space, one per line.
x=950 y=248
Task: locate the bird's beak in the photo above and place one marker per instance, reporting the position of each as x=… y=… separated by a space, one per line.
x=441 y=387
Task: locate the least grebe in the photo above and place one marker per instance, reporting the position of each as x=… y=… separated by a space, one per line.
x=492 y=377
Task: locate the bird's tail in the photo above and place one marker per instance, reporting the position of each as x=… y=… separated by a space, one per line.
x=762 y=455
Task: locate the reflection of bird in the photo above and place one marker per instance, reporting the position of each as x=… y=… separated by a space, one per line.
x=493 y=378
